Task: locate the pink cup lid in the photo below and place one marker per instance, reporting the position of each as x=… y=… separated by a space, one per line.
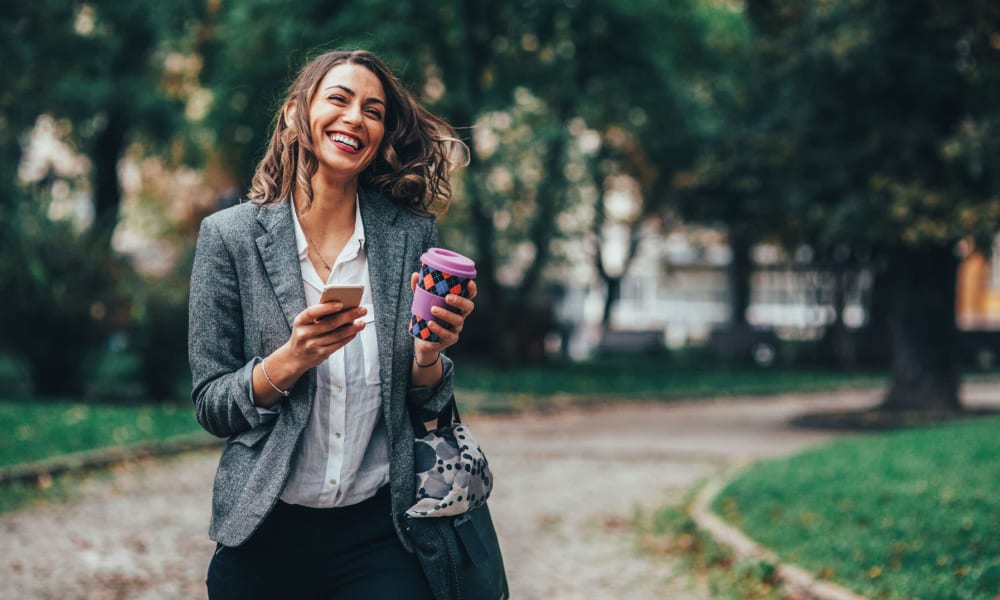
x=449 y=262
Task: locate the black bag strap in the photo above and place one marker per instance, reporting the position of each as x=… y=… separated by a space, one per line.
x=445 y=418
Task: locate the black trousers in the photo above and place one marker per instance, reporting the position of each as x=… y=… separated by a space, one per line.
x=330 y=554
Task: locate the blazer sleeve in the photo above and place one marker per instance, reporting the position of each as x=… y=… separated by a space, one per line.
x=221 y=373
x=426 y=401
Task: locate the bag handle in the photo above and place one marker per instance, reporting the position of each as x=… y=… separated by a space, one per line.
x=445 y=418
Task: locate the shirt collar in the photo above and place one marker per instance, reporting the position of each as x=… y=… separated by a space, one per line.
x=359 y=225
x=356 y=242
x=300 y=237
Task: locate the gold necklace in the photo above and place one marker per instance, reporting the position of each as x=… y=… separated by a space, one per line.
x=315 y=249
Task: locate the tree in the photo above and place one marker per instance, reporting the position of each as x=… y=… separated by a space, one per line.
x=103 y=68
x=99 y=70
x=886 y=114
x=676 y=96
x=737 y=178
x=625 y=71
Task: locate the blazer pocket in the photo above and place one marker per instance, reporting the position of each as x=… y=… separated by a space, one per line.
x=251 y=437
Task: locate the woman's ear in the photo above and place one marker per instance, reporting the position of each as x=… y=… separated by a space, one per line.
x=288 y=114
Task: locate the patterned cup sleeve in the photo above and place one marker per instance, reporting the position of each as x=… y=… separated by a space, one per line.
x=440 y=284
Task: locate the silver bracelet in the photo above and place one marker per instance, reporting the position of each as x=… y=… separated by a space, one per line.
x=429 y=365
x=263 y=369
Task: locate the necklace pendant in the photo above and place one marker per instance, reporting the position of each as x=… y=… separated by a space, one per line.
x=321 y=259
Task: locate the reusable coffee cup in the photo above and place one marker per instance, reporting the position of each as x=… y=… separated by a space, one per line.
x=442 y=272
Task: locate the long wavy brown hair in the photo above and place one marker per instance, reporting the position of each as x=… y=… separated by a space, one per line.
x=418 y=152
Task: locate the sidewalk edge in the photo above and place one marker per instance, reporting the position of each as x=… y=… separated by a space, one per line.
x=104 y=457
x=799 y=583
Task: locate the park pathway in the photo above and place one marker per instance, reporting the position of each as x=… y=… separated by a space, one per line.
x=568 y=487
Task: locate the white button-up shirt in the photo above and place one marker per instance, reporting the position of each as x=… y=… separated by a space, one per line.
x=343 y=456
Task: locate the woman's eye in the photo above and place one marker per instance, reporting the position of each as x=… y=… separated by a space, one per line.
x=375 y=113
x=338 y=98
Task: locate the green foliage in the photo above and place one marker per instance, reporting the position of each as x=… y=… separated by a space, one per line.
x=102 y=67
x=862 y=129
x=61 y=300
x=867 y=123
x=110 y=74
x=70 y=295
x=617 y=71
x=157 y=332
x=903 y=515
x=839 y=124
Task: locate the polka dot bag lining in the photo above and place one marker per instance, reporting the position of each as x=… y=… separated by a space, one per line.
x=453 y=475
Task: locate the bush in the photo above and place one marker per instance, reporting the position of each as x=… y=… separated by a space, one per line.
x=158 y=333
x=61 y=296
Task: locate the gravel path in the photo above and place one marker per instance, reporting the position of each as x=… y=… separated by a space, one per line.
x=568 y=487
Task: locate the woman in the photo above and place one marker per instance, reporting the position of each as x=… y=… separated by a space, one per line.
x=318 y=469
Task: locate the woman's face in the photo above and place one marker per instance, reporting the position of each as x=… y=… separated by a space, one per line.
x=347 y=120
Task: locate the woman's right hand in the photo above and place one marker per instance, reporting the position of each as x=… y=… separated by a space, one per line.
x=317 y=332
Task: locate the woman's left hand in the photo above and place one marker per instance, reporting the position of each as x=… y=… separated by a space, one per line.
x=428 y=351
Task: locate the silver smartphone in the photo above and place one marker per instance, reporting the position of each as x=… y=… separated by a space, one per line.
x=348 y=295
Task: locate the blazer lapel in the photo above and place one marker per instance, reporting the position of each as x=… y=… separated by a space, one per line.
x=280 y=254
x=385 y=247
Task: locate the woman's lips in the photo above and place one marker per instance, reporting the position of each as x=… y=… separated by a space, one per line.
x=347 y=143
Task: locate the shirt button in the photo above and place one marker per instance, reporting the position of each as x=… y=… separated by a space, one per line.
x=338 y=387
x=337 y=435
x=333 y=482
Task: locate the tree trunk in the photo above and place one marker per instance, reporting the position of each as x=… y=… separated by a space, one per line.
x=837 y=346
x=613 y=287
x=489 y=334
x=613 y=283
x=109 y=146
x=549 y=201
x=739 y=274
x=873 y=340
x=922 y=331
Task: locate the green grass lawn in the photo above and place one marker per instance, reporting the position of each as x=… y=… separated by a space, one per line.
x=37 y=429
x=645 y=377
x=44 y=428
x=912 y=514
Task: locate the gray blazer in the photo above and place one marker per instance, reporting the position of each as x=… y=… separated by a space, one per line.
x=246 y=289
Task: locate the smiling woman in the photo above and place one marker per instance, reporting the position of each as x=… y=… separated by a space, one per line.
x=315 y=396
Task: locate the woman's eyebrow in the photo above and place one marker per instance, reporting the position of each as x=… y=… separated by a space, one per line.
x=343 y=87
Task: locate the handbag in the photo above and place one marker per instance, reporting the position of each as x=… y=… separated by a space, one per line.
x=450 y=523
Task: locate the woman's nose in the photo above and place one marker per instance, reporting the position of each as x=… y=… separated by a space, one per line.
x=352 y=113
